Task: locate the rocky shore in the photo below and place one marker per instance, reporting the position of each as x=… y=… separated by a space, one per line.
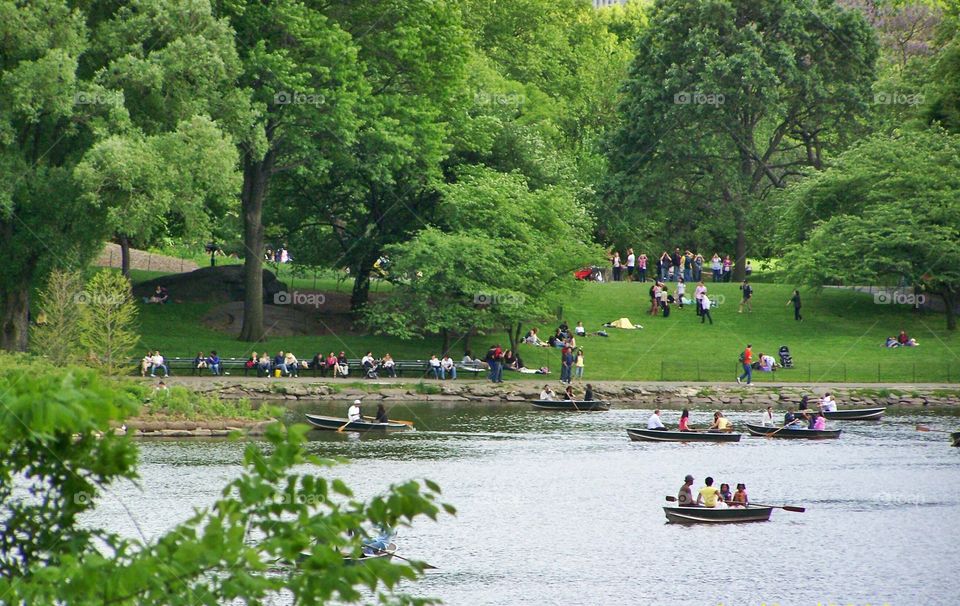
x=663 y=395
x=161 y=427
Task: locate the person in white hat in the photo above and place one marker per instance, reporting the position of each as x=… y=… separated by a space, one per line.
x=353 y=413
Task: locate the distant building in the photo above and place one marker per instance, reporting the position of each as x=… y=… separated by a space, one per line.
x=603 y=3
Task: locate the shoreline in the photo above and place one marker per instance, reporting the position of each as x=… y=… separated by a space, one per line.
x=666 y=395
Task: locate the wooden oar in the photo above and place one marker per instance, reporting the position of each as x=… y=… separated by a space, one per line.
x=773 y=433
x=925 y=428
x=407 y=423
x=342 y=427
x=425 y=565
x=786 y=507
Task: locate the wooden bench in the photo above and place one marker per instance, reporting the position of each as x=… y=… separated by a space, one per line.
x=416 y=368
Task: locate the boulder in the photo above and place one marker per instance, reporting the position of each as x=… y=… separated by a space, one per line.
x=210 y=284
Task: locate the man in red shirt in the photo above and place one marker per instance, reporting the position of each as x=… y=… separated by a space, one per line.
x=746 y=358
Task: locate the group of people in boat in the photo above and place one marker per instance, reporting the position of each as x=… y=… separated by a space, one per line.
x=355 y=414
x=548 y=395
x=720 y=422
x=710 y=495
x=805 y=417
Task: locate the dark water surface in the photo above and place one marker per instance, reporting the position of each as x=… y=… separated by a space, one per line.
x=561 y=508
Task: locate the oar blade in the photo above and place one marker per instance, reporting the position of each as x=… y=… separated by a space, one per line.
x=794 y=508
x=671 y=499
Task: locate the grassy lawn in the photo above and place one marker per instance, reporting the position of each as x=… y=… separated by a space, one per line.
x=839 y=340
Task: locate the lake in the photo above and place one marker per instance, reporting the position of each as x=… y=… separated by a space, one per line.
x=561 y=508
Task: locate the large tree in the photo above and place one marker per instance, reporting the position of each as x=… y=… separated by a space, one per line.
x=103 y=77
x=728 y=99
x=886 y=213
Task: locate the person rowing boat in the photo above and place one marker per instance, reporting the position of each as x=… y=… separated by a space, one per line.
x=684 y=495
x=381 y=414
x=709 y=495
x=547 y=394
x=353 y=413
x=654 y=421
x=720 y=422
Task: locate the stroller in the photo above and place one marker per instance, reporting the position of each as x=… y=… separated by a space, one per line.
x=786 y=360
x=371 y=368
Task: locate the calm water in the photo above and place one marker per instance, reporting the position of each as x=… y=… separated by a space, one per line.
x=561 y=508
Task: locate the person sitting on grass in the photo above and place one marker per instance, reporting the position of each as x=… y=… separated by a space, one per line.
x=292 y=364
x=532 y=339
x=891 y=342
x=160 y=296
x=579 y=330
x=511 y=361
x=200 y=361
x=214 y=363
x=389 y=366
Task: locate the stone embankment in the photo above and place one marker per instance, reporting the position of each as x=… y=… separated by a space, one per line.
x=160 y=427
x=662 y=395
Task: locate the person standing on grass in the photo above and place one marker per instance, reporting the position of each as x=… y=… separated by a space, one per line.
x=727 y=265
x=655 y=298
x=578 y=365
x=642 y=267
x=795 y=299
x=675 y=260
x=747 y=296
x=705 y=308
x=716 y=266
x=566 y=365
x=631 y=264
x=698 y=296
x=746 y=358
x=617 y=268
x=681 y=290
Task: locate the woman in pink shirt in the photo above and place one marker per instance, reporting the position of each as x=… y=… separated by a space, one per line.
x=684 y=420
x=821 y=423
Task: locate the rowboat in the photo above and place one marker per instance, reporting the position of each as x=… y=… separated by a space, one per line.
x=385 y=554
x=575 y=405
x=657 y=435
x=717 y=515
x=335 y=423
x=808 y=434
x=855 y=414
x=955 y=438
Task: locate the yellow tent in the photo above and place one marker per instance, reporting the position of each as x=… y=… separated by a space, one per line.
x=623 y=323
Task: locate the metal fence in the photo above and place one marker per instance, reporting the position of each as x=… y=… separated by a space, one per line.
x=812 y=372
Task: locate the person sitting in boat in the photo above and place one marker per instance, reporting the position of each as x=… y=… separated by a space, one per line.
x=720 y=422
x=709 y=495
x=684 y=421
x=811 y=420
x=790 y=419
x=820 y=423
x=381 y=414
x=353 y=413
x=740 y=497
x=828 y=404
x=377 y=545
x=725 y=493
x=804 y=402
x=568 y=394
x=654 y=421
x=588 y=394
x=685 y=495
x=547 y=394
x=766 y=418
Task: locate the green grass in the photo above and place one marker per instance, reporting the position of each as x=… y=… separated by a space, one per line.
x=840 y=339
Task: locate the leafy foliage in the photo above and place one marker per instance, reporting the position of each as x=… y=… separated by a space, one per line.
x=62 y=455
x=57 y=336
x=108 y=322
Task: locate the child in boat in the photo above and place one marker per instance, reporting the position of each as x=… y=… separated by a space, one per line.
x=725 y=493
x=740 y=497
x=820 y=424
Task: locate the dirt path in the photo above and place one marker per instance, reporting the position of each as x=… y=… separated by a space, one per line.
x=141 y=259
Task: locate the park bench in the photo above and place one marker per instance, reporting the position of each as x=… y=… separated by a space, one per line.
x=236 y=366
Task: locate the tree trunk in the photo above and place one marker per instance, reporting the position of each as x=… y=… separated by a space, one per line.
x=361 y=287
x=950 y=307
x=513 y=333
x=255 y=176
x=446 y=341
x=14 y=322
x=466 y=340
x=740 y=263
x=124 y=255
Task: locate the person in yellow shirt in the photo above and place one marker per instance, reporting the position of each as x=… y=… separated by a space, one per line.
x=720 y=422
x=709 y=495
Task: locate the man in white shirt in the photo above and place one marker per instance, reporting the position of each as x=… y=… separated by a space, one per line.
x=157 y=362
x=767 y=419
x=654 y=421
x=353 y=413
x=828 y=404
x=547 y=393
x=447 y=367
x=631 y=264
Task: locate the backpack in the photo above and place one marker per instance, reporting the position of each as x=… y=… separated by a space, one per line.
x=743 y=356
